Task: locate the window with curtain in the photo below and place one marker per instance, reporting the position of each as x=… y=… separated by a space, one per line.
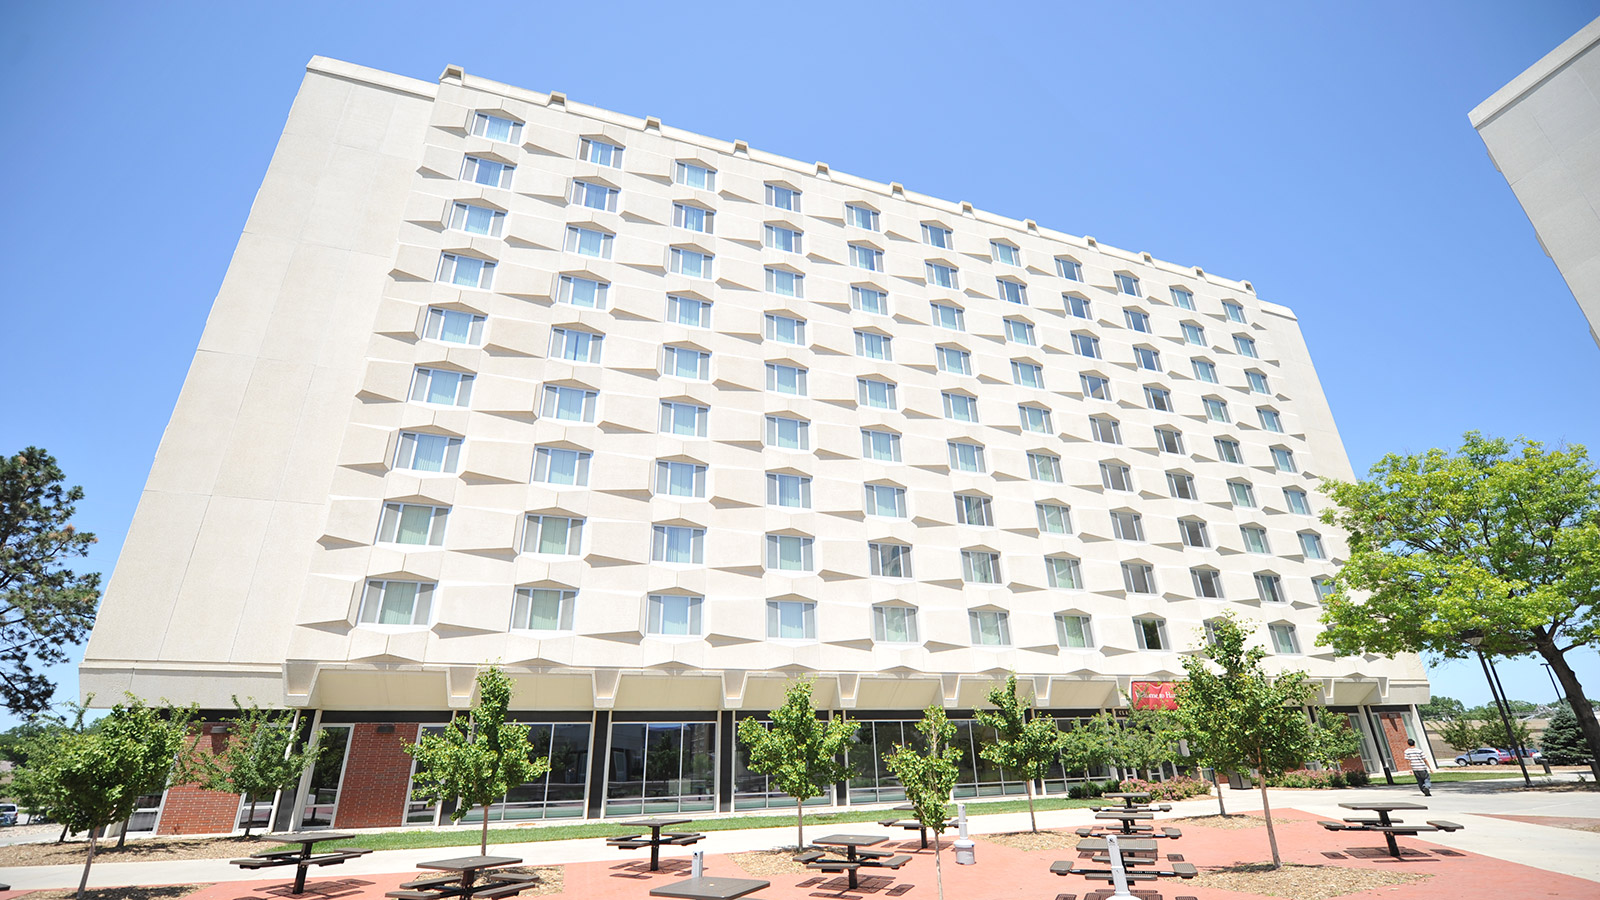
x=543 y=609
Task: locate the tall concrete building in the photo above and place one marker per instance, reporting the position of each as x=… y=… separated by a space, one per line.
x=660 y=423
x=1543 y=133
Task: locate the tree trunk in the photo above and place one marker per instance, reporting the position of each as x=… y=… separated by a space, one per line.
x=1575 y=697
x=250 y=821
x=63 y=838
x=800 y=825
x=1266 y=811
x=938 y=868
x=122 y=836
x=483 y=833
x=1217 y=783
x=83 y=883
x=1027 y=788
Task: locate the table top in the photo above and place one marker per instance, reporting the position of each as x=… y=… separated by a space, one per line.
x=1383 y=806
x=655 y=823
x=306 y=837
x=851 y=840
x=1128 y=794
x=710 y=888
x=470 y=863
x=1130 y=844
x=1130 y=815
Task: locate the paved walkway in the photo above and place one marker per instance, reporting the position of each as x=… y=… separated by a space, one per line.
x=1469 y=803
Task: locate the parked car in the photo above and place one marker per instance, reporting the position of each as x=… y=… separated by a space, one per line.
x=1487 y=756
x=1528 y=753
x=8 y=814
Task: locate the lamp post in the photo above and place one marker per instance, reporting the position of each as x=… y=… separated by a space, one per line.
x=1475 y=638
x=1553 y=686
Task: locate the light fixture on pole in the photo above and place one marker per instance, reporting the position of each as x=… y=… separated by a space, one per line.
x=1475 y=638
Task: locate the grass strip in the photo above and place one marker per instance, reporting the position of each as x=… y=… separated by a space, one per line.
x=409 y=840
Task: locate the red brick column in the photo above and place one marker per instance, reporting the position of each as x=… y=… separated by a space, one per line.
x=377 y=773
x=191 y=809
x=1394 y=732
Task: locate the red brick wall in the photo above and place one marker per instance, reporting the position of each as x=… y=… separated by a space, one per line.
x=190 y=809
x=1394 y=732
x=376 y=775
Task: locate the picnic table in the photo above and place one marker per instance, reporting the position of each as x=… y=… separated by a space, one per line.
x=300 y=857
x=710 y=888
x=656 y=839
x=1129 y=821
x=1383 y=824
x=463 y=882
x=1131 y=802
x=911 y=824
x=856 y=855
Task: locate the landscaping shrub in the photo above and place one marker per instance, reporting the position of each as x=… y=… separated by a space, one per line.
x=1180 y=788
x=1326 y=778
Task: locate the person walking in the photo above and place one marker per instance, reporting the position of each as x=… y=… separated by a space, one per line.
x=1419 y=767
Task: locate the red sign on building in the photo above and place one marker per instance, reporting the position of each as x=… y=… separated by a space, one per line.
x=1153 y=695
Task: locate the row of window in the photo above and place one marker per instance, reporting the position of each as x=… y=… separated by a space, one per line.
x=424 y=525
x=696 y=176
x=559 y=466
x=411 y=603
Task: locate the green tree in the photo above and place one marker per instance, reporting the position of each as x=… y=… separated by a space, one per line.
x=800 y=754
x=1333 y=742
x=1238 y=717
x=90 y=779
x=1492 y=733
x=477 y=758
x=1499 y=538
x=1147 y=739
x=260 y=758
x=929 y=776
x=45 y=608
x=1441 y=708
x=1563 y=743
x=1460 y=732
x=1024 y=744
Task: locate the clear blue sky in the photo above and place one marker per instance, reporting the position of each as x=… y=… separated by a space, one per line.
x=1321 y=151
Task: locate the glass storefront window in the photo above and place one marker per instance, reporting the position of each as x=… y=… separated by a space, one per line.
x=661 y=767
x=751 y=790
x=556 y=795
x=873 y=783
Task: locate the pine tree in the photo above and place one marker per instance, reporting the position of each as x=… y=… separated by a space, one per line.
x=45 y=608
x=1563 y=743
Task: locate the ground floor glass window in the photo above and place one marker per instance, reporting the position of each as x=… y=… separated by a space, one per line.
x=661 y=767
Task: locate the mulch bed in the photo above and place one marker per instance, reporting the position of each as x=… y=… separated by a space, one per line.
x=552 y=879
x=169 y=892
x=1302 y=882
x=763 y=863
x=137 y=850
x=1232 y=822
x=1030 y=840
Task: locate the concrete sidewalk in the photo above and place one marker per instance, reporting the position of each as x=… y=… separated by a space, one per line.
x=1469 y=803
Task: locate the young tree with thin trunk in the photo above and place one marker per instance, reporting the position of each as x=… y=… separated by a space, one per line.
x=478 y=757
x=262 y=756
x=46 y=609
x=1024 y=744
x=800 y=754
x=928 y=777
x=1499 y=538
x=92 y=779
x=1240 y=717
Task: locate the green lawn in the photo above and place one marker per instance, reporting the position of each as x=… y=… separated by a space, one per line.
x=407 y=840
x=1451 y=775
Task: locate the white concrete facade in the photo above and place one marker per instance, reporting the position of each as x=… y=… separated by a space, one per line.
x=1543 y=134
x=257 y=538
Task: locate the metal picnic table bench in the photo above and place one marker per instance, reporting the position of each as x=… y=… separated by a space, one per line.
x=1386 y=826
x=656 y=839
x=463 y=880
x=300 y=857
x=911 y=824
